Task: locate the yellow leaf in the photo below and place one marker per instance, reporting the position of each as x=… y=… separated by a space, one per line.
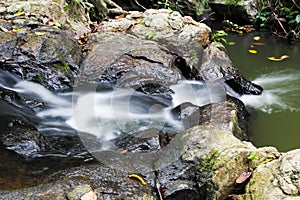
x=252 y=51
x=231 y=43
x=256 y=38
x=272 y=58
x=19 y=13
x=81 y=41
x=40 y=33
x=15 y=29
x=138 y=178
x=56 y=23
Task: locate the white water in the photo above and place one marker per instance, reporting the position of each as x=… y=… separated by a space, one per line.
x=281 y=92
x=108 y=114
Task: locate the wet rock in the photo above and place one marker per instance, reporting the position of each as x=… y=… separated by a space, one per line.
x=51 y=59
x=229 y=116
x=216 y=66
x=242 y=86
x=73 y=183
x=143 y=141
x=128 y=62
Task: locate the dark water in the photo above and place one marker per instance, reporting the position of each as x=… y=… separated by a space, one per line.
x=276 y=121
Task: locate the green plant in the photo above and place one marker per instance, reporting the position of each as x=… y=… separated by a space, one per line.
x=282 y=17
x=151 y=35
x=64 y=67
x=218 y=37
x=170 y=5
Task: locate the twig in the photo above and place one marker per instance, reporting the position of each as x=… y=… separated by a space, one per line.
x=140 y=4
x=296 y=4
x=205 y=18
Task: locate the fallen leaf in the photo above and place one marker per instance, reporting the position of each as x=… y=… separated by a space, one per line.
x=40 y=33
x=272 y=58
x=19 y=13
x=243 y=177
x=252 y=51
x=258 y=44
x=256 y=38
x=138 y=178
x=15 y=29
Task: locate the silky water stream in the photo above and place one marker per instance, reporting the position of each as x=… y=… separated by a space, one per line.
x=98 y=113
x=276 y=118
x=106 y=112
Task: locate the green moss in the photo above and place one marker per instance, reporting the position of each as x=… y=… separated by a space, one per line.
x=64 y=67
x=206 y=164
x=39 y=78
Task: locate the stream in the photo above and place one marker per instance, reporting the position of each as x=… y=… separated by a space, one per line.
x=102 y=113
x=275 y=121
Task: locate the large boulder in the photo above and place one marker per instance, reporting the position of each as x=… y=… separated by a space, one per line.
x=278 y=179
x=242 y=12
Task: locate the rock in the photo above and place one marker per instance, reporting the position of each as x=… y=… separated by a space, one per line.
x=76 y=183
x=216 y=66
x=204 y=162
x=191 y=8
x=244 y=11
x=51 y=59
x=229 y=116
x=81 y=192
x=277 y=179
x=41 y=13
x=127 y=62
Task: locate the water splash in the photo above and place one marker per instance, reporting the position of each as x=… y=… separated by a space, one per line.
x=281 y=92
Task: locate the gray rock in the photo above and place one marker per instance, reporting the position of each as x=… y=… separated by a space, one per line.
x=278 y=179
x=127 y=61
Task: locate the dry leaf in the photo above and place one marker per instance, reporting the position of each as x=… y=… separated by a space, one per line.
x=40 y=33
x=252 y=51
x=138 y=178
x=243 y=177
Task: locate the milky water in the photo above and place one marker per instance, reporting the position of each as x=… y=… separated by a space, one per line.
x=110 y=113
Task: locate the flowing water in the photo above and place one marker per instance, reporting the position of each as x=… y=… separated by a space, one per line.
x=276 y=120
x=107 y=113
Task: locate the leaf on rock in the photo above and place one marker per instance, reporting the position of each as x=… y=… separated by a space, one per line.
x=243 y=177
x=135 y=176
x=40 y=33
x=19 y=13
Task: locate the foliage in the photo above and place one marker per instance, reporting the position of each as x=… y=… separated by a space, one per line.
x=170 y=5
x=218 y=37
x=282 y=17
x=64 y=67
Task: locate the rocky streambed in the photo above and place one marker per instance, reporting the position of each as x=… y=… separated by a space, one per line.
x=50 y=57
